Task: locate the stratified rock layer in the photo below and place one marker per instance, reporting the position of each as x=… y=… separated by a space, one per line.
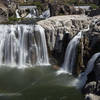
x=59 y=25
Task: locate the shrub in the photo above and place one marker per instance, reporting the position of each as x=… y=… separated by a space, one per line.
x=13 y=19
x=94 y=6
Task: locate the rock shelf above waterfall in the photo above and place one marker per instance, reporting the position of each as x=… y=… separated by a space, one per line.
x=60 y=24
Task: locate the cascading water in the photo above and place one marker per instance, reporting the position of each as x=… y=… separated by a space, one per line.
x=83 y=76
x=23 y=45
x=33 y=12
x=45 y=14
x=70 y=55
x=17 y=14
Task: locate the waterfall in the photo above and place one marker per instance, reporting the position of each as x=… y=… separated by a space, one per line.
x=33 y=11
x=83 y=76
x=32 y=14
x=70 y=55
x=45 y=14
x=22 y=45
x=17 y=14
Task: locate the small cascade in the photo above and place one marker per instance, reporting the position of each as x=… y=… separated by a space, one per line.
x=45 y=14
x=83 y=76
x=32 y=11
x=17 y=14
x=70 y=55
x=23 y=45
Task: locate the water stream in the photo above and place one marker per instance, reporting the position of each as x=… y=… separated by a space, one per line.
x=22 y=45
x=70 y=54
x=81 y=81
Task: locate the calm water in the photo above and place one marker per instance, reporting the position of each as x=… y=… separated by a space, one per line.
x=39 y=83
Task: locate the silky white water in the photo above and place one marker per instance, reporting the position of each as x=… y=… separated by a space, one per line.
x=83 y=76
x=45 y=14
x=70 y=55
x=17 y=14
x=22 y=45
x=33 y=12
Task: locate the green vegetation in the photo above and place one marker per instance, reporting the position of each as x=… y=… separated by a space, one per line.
x=13 y=19
x=94 y=6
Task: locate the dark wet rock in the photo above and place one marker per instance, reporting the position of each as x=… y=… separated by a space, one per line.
x=12 y=9
x=3 y=12
x=92 y=90
x=90 y=87
x=59 y=31
x=91 y=41
x=94 y=12
x=97 y=69
x=66 y=38
x=58 y=25
x=61 y=9
x=91 y=96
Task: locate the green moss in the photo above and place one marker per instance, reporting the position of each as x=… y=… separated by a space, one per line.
x=13 y=19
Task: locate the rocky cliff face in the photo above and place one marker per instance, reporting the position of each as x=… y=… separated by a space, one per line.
x=60 y=29
x=63 y=9
x=93 y=83
x=3 y=11
x=60 y=25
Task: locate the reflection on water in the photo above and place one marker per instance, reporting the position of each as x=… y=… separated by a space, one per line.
x=39 y=83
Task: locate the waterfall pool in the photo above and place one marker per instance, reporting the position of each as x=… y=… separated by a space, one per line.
x=36 y=83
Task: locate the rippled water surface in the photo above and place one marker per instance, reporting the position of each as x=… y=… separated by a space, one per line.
x=39 y=83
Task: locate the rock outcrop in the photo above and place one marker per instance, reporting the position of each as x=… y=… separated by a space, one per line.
x=58 y=25
x=92 y=91
x=62 y=9
x=92 y=40
x=3 y=11
x=60 y=29
x=92 y=86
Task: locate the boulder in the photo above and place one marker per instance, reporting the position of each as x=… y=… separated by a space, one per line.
x=92 y=90
x=60 y=29
x=91 y=96
x=3 y=13
x=92 y=40
x=58 y=25
x=62 y=9
x=97 y=69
